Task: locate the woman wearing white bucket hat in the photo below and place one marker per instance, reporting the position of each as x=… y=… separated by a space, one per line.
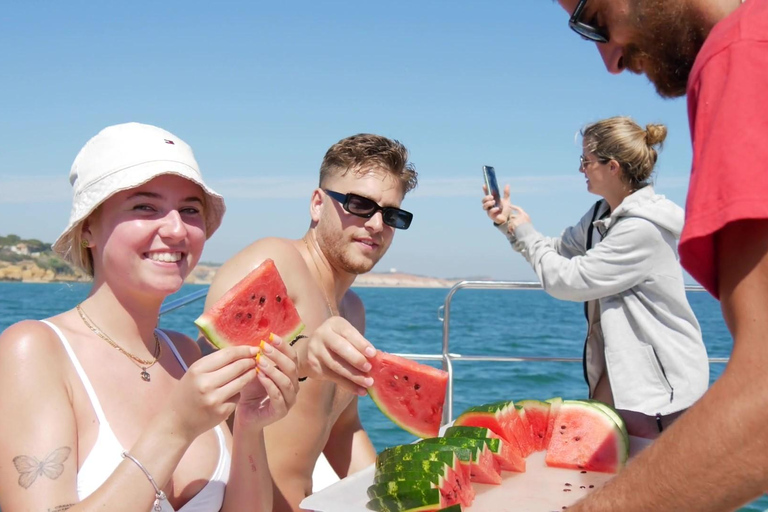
x=105 y=412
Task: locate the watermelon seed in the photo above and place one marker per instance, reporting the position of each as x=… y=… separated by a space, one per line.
x=583 y=472
x=566 y=490
x=253 y=296
x=591 y=486
x=567 y=484
x=417 y=386
x=262 y=300
x=249 y=316
x=562 y=426
x=405 y=377
x=279 y=298
x=582 y=487
x=577 y=438
x=238 y=315
x=397 y=378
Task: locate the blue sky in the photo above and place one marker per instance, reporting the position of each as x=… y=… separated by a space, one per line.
x=262 y=89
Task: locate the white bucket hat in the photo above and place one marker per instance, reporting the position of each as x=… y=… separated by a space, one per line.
x=122 y=157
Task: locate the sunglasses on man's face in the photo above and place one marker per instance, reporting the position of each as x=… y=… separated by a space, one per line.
x=367 y=208
x=586 y=30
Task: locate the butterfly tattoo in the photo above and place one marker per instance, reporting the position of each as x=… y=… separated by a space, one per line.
x=30 y=468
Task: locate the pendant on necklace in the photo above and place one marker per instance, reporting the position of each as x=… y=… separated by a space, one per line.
x=145 y=375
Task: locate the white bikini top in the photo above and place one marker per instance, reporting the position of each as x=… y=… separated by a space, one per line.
x=105 y=455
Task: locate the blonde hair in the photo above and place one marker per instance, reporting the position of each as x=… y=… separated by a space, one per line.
x=77 y=255
x=620 y=138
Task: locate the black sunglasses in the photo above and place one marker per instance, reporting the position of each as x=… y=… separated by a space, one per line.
x=586 y=30
x=367 y=208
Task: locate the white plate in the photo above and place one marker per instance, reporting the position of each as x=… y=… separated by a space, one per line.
x=539 y=489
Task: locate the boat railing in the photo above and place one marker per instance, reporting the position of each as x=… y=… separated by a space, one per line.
x=446 y=357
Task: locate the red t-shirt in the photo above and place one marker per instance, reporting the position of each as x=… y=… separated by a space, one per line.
x=728 y=115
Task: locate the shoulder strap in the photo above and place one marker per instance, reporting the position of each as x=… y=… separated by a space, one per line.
x=591 y=228
x=173 y=348
x=81 y=372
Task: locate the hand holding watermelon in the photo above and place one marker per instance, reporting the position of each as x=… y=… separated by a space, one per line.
x=336 y=351
x=267 y=398
x=207 y=393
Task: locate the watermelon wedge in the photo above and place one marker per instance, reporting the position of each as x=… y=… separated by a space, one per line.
x=408 y=393
x=554 y=408
x=537 y=414
x=424 y=469
x=586 y=437
x=484 y=468
x=509 y=459
x=255 y=307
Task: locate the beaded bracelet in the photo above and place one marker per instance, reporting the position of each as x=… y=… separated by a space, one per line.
x=159 y=494
x=292 y=343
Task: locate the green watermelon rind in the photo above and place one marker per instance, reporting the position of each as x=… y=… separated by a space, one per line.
x=414 y=471
x=470 y=432
x=494 y=445
x=397 y=464
x=421 y=451
x=394 y=487
x=416 y=501
x=206 y=325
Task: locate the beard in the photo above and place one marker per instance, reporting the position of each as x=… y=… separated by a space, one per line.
x=669 y=36
x=340 y=253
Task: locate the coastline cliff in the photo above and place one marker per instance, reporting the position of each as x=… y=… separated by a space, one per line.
x=32 y=261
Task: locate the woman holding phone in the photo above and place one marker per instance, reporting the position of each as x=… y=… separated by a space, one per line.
x=104 y=410
x=643 y=352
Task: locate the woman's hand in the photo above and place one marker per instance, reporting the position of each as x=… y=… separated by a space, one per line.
x=498 y=214
x=517 y=216
x=507 y=213
x=268 y=398
x=337 y=351
x=207 y=393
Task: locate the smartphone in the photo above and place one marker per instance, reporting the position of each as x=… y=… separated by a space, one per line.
x=490 y=182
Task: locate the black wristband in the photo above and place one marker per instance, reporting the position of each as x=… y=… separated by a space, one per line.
x=292 y=343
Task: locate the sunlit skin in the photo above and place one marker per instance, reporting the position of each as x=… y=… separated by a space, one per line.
x=352 y=244
x=160 y=220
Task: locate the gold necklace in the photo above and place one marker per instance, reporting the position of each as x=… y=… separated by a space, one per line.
x=320 y=279
x=141 y=363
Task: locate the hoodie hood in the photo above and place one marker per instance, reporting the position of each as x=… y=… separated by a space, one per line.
x=647 y=204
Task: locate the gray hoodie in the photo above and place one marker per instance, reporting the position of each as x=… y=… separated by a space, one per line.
x=653 y=351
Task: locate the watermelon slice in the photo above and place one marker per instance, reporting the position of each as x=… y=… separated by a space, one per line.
x=586 y=437
x=452 y=471
x=412 y=501
x=484 y=468
x=255 y=307
x=537 y=414
x=509 y=459
x=408 y=393
x=554 y=408
x=434 y=472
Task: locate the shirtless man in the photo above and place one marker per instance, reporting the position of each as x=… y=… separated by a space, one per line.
x=354 y=213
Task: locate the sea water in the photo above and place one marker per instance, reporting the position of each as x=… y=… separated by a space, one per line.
x=526 y=323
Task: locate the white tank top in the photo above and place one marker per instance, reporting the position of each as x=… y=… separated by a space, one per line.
x=105 y=455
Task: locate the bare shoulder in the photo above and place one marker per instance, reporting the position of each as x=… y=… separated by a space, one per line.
x=281 y=250
x=188 y=348
x=30 y=347
x=353 y=310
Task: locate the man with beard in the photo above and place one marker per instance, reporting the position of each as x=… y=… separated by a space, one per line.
x=715 y=51
x=354 y=213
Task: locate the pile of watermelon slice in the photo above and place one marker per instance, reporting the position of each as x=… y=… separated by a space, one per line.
x=436 y=474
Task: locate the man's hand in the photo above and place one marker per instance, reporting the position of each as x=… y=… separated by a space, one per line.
x=336 y=351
